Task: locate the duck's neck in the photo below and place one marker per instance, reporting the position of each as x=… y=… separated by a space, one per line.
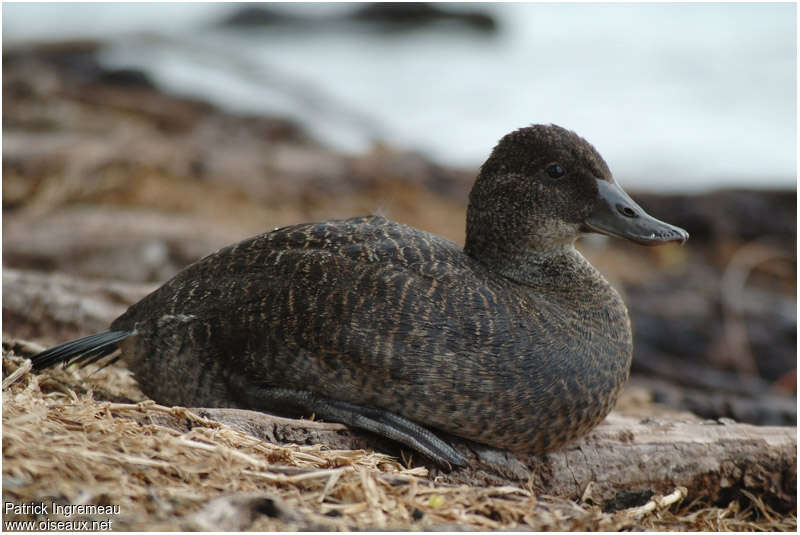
x=555 y=266
x=524 y=249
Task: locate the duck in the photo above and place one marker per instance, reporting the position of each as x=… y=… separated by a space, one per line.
x=513 y=341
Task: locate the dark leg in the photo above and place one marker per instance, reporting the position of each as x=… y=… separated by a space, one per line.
x=378 y=421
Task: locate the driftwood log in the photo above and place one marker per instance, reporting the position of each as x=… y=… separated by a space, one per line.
x=713 y=460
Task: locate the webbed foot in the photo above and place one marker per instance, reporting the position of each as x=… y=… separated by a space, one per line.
x=377 y=421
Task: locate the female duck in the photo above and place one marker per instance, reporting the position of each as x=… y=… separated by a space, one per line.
x=516 y=341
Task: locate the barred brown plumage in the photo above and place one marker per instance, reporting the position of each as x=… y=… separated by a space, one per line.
x=516 y=341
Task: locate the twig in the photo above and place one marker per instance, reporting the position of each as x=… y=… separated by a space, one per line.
x=24 y=368
x=313 y=474
x=658 y=502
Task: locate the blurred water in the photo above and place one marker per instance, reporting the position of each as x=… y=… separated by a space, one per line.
x=675 y=96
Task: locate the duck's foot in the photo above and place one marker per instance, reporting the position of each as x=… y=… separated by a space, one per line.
x=377 y=421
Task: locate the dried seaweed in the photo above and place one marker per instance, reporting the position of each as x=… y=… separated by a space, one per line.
x=62 y=445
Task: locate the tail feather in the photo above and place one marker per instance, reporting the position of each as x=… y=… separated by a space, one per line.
x=84 y=350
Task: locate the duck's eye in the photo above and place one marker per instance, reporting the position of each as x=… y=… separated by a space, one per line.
x=555 y=171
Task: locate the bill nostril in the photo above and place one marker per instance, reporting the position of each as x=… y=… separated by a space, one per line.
x=627 y=211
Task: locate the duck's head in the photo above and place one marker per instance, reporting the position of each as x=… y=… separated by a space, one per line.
x=542 y=187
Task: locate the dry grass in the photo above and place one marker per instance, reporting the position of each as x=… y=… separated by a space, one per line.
x=61 y=444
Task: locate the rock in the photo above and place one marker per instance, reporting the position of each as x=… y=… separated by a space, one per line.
x=413 y=15
x=379 y=17
x=256 y=15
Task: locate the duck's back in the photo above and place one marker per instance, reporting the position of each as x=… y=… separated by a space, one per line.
x=350 y=293
x=364 y=310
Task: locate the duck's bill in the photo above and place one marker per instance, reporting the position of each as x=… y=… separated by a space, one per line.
x=616 y=214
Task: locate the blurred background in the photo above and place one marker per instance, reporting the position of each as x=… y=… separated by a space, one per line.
x=140 y=137
x=676 y=96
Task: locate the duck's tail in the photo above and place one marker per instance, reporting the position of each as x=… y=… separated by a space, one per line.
x=84 y=350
